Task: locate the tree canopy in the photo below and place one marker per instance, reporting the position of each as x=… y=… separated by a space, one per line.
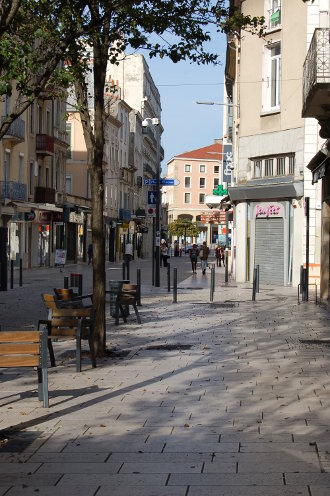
x=183 y=227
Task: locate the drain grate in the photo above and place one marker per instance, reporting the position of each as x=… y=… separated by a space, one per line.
x=224 y=305
x=169 y=347
x=323 y=342
x=17 y=441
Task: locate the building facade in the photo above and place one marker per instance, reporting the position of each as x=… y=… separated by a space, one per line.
x=32 y=168
x=199 y=174
x=272 y=147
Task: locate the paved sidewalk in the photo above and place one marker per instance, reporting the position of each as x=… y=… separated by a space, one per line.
x=222 y=399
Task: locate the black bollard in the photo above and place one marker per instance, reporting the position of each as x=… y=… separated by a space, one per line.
x=11 y=274
x=66 y=282
x=127 y=270
x=212 y=282
x=175 y=285
x=254 y=285
x=20 y=272
x=124 y=270
x=257 y=280
x=80 y=284
x=168 y=277
x=138 y=283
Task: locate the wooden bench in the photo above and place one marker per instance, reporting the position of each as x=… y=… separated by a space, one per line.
x=68 y=295
x=127 y=296
x=27 y=349
x=72 y=323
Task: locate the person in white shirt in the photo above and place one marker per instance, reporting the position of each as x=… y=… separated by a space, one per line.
x=128 y=251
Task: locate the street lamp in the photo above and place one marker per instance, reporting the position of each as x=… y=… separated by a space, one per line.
x=218 y=103
x=156 y=242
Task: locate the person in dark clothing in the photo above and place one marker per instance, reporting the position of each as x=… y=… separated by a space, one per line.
x=193 y=253
x=90 y=253
x=218 y=255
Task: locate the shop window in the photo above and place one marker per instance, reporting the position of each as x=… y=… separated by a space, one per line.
x=269 y=162
x=280 y=166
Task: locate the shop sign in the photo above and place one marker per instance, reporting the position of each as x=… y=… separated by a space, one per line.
x=58 y=217
x=213 y=216
x=227 y=164
x=29 y=216
x=268 y=210
x=43 y=217
x=76 y=217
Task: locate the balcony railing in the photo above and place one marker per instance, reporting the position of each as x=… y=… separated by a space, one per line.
x=16 y=130
x=44 y=195
x=44 y=144
x=316 y=77
x=13 y=190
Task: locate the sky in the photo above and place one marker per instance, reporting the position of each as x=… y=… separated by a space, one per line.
x=188 y=126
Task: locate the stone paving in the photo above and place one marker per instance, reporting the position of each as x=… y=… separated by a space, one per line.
x=229 y=398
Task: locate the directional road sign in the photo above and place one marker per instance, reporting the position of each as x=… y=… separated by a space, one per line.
x=152 y=197
x=163 y=182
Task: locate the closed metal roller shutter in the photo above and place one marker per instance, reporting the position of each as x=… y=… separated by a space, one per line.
x=269 y=251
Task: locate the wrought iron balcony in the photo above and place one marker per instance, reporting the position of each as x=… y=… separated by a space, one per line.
x=13 y=190
x=44 y=144
x=316 y=78
x=16 y=131
x=44 y=195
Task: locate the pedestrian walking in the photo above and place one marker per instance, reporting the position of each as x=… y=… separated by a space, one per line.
x=90 y=253
x=217 y=253
x=204 y=255
x=163 y=253
x=193 y=253
x=176 y=249
x=128 y=251
x=223 y=255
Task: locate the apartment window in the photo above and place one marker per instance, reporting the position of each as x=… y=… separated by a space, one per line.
x=202 y=182
x=257 y=168
x=269 y=167
x=280 y=166
x=20 y=167
x=47 y=177
x=69 y=140
x=275 y=13
x=274 y=166
x=32 y=110
x=215 y=182
x=275 y=75
x=201 y=198
x=7 y=166
x=216 y=169
x=40 y=119
x=187 y=182
x=68 y=184
x=291 y=164
x=31 y=183
x=202 y=168
x=187 y=168
x=39 y=175
x=47 y=121
x=187 y=197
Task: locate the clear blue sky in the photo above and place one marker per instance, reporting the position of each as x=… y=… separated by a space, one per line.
x=187 y=125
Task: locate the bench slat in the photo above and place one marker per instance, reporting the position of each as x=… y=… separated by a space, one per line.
x=19 y=349
x=19 y=337
x=19 y=361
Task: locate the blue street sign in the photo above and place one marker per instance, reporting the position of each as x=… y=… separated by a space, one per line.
x=162 y=181
x=152 y=195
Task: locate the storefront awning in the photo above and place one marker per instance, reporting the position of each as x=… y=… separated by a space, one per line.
x=28 y=206
x=294 y=189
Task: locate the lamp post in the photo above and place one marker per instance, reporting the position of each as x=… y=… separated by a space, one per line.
x=156 y=241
